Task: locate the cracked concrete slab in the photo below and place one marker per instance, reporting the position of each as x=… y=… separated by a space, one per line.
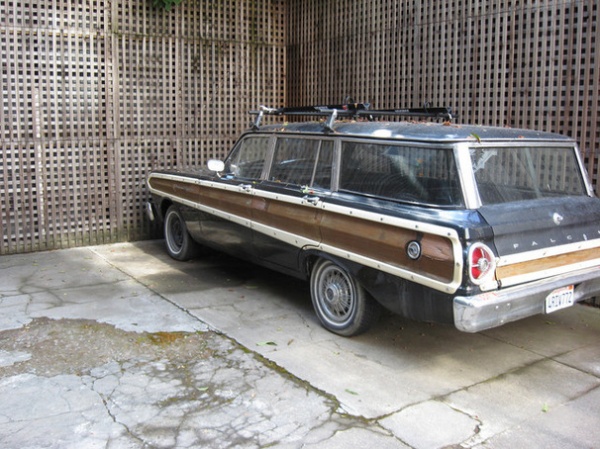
x=571 y=425
x=586 y=359
x=88 y=384
x=431 y=424
x=220 y=353
x=507 y=401
x=62 y=413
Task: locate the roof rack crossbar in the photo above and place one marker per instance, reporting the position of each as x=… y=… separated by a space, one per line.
x=350 y=110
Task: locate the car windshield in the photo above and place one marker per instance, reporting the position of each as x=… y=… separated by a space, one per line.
x=509 y=174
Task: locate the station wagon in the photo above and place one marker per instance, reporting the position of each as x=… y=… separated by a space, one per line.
x=473 y=226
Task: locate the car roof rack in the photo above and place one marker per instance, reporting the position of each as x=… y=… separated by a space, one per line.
x=354 y=110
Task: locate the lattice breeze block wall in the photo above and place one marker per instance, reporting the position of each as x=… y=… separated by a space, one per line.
x=532 y=64
x=96 y=93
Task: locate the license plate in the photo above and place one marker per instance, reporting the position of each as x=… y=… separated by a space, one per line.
x=560 y=298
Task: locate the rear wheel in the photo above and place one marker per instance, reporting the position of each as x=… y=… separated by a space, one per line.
x=341 y=304
x=180 y=244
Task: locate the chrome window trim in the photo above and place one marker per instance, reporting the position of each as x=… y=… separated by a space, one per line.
x=336 y=164
x=586 y=179
x=269 y=156
x=464 y=165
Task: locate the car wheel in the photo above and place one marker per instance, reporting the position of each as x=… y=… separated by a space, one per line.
x=180 y=245
x=341 y=304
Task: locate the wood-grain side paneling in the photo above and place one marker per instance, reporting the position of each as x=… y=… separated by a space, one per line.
x=299 y=223
x=387 y=243
x=543 y=264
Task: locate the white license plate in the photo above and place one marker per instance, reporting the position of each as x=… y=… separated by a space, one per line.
x=559 y=299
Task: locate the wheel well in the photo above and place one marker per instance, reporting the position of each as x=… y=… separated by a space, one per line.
x=311 y=257
x=164 y=206
x=309 y=263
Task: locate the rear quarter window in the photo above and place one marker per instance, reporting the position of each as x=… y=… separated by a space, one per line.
x=407 y=173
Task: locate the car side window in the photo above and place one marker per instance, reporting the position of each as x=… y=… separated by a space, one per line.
x=247 y=159
x=407 y=173
x=302 y=161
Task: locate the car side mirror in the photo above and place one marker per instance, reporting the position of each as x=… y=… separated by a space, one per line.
x=215 y=165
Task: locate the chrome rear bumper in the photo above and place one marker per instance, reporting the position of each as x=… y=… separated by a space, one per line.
x=492 y=309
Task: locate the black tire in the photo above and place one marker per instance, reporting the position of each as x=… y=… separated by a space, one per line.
x=180 y=244
x=341 y=304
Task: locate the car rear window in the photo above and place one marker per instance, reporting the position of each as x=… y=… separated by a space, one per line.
x=509 y=174
x=415 y=174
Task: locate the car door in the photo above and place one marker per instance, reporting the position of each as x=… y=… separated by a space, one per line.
x=286 y=205
x=228 y=202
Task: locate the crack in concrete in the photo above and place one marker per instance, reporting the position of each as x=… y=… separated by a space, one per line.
x=167 y=389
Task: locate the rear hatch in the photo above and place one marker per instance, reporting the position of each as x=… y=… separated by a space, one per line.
x=548 y=223
x=535 y=199
x=540 y=239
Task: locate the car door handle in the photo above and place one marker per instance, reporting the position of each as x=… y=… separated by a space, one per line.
x=314 y=200
x=246 y=187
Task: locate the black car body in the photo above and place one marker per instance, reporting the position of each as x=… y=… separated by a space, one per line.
x=468 y=225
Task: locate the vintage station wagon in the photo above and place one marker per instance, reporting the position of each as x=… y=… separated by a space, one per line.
x=468 y=225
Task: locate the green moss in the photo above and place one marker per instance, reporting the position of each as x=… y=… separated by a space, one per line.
x=165 y=338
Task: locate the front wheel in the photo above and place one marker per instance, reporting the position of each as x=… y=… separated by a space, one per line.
x=341 y=304
x=180 y=244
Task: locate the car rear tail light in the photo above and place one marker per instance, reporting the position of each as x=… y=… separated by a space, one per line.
x=482 y=263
